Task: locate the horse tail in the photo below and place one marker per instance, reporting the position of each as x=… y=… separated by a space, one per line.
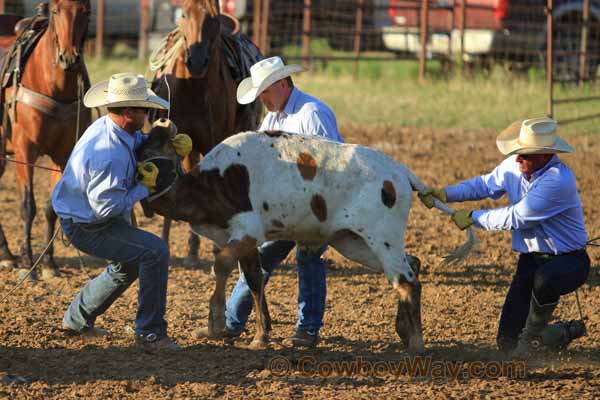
x=460 y=253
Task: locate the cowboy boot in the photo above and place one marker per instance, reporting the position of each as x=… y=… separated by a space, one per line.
x=558 y=336
x=531 y=337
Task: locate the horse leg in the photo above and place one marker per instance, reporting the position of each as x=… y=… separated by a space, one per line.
x=190 y=166
x=225 y=261
x=166 y=229
x=49 y=266
x=254 y=277
x=191 y=260
x=28 y=210
x=7 y=259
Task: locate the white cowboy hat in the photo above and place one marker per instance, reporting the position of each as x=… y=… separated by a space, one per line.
x=262 y=75
x=124 y=90
x=532 y=136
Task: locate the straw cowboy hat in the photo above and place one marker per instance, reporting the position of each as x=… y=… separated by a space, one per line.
x=124 y=90
x=262 y=75
x=532 y=136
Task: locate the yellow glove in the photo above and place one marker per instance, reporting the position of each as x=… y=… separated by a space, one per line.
x=462 y=219
x=428 y=195
x=182 y=144
x=148 y=172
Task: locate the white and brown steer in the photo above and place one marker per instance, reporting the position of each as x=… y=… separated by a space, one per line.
x=255 y=187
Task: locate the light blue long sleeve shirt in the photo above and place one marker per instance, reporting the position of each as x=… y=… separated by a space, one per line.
x=99 y=180
x=545 y=214
x=305 y=115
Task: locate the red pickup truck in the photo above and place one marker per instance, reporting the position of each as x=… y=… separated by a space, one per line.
x=513 y=30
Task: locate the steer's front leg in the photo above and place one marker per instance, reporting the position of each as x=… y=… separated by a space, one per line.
x=225 y=261
x=254 y=277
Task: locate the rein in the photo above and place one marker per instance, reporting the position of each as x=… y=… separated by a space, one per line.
x=29 y=164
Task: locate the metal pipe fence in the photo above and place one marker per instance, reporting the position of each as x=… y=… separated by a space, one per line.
x=558 y=37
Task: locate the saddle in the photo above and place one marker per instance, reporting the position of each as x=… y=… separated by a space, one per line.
x=239 y=51
x=30 y=30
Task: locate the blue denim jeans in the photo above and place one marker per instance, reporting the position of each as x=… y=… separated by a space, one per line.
x=312 y=287
x=132 y=252
x=546 y=277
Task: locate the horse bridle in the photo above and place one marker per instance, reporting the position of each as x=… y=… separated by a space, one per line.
x=58 y=54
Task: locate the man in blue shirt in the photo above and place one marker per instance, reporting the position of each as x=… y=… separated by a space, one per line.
x=94 y=200
x=293 y=111
x=546 y=220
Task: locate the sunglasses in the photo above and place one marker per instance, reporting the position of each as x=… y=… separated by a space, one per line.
x=527 y=157
x=142 y=109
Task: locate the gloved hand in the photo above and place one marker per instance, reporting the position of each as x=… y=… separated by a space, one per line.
x=428 y=195
x=182 y=144
x=148 y=173
x=462 y=219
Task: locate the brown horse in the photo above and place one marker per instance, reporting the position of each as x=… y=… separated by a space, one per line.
x=201 y=89
x=48 y=114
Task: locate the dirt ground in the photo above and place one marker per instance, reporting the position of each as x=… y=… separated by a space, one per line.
x=461 y=305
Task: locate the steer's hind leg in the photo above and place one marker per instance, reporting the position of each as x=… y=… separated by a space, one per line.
x=225 y=261
x=254 y=277
x=408 y=316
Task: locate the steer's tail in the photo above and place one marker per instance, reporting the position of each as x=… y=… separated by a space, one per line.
x=461 y=252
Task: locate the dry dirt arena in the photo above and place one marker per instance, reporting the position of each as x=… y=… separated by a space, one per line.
x=461 y=305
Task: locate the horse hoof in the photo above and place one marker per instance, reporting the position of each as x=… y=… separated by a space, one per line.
x=191 y=261
x=49 y=273
x=23 y=273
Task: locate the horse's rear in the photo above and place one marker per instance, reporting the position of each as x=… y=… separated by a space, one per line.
x=47 y=114
x=199 y=83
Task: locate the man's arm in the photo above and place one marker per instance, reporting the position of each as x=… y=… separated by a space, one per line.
x=481 y=187
x=545 y=200
x=107 y=191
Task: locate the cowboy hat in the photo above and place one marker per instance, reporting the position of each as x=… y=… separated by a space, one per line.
x=262 y=75
x=124 y=90
x=532 y=136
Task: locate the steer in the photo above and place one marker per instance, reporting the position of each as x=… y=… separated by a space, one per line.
x=255 y=187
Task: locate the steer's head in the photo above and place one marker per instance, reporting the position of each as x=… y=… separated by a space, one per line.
x=408 y=317
x=159 y=150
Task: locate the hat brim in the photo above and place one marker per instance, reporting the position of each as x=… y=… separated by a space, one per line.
x=247 y=92
x=508 y=143
x=96 y=96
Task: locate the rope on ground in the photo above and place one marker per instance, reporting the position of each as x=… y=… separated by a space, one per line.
x=32 y=267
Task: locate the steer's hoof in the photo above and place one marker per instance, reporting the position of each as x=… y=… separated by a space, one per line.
x=259 y=344
x=206 y=333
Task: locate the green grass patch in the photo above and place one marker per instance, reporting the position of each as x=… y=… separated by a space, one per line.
x=389 y=93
